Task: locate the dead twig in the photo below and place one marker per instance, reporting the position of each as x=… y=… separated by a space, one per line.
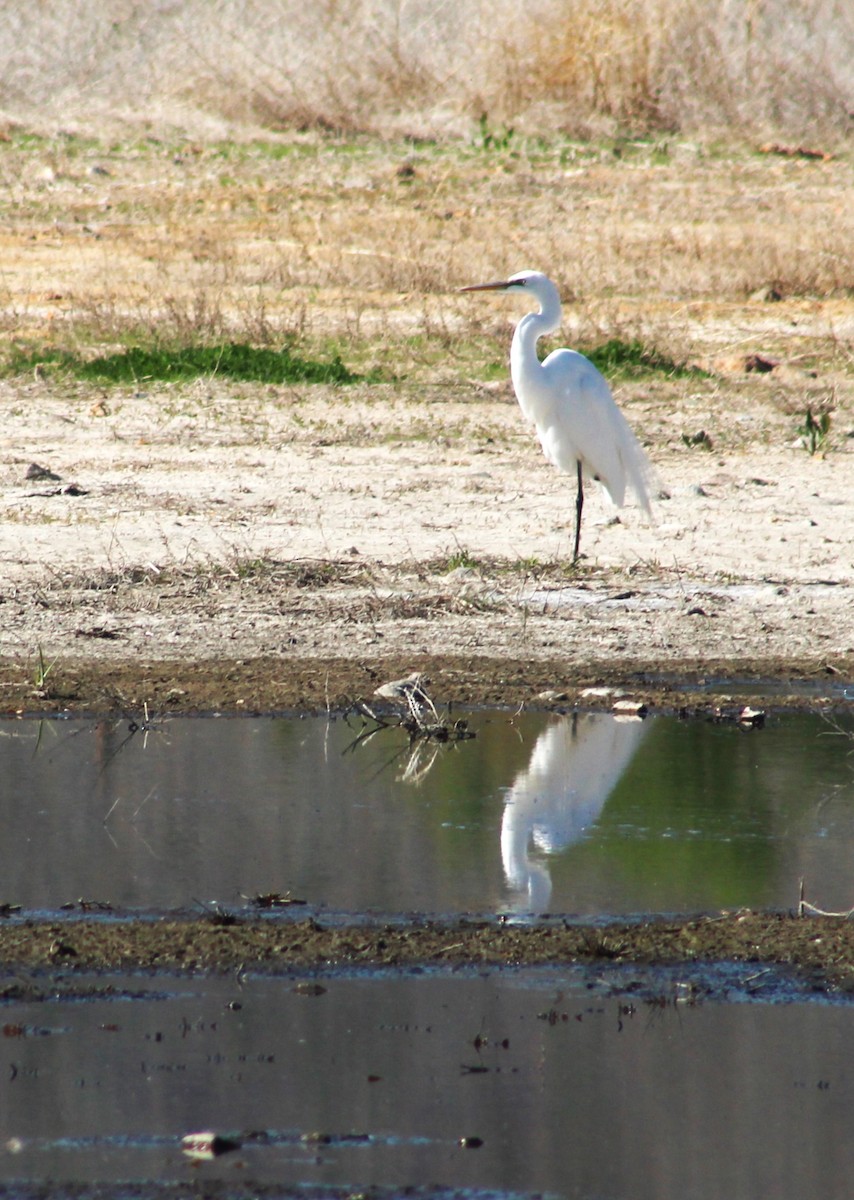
x=805 y=908
x=421 y=721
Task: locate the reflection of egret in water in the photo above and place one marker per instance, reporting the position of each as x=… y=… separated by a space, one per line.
x=574 y=767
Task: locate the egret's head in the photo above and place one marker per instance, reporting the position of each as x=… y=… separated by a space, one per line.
x=537 y=286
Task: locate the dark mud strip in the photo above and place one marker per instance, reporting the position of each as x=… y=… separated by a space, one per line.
x=819 y=948
x=216 y=1189
x=315 y=685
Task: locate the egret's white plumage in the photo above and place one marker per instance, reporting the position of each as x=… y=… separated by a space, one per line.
x=569 y=403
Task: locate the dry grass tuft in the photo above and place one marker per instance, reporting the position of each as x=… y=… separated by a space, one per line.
x=689 y=66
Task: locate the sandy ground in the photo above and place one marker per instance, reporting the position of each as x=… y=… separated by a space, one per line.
x=198 y=529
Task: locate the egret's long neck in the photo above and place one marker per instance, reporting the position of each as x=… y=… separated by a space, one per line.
x=524 y=362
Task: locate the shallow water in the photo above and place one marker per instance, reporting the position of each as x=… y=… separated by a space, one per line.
x=583 y=814
x=520 y=1081
x=350 y=1080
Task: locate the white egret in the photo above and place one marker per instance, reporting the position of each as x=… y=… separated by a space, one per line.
x=569 y=403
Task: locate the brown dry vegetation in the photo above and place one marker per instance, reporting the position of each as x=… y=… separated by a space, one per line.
x=388 y=66
x=330 y=240
x=258 y=209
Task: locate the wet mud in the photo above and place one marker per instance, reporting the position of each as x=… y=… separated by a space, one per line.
x=819 y=950
x=229 y=1190
x=262 y=685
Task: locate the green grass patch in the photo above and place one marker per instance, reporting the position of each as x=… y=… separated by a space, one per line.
x=453 y=561
x=629 y=360
x=507 y=569
x=232 y=360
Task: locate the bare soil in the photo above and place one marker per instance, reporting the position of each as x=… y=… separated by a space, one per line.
x=201 y=564
x=195 y=568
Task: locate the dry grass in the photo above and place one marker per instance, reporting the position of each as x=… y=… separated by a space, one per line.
x=577 y=138
x=392 y=66
x=322 y=241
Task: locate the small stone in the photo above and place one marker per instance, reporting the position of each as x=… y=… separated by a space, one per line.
x=36 y=471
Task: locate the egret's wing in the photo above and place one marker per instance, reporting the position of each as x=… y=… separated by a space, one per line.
x=579 y=419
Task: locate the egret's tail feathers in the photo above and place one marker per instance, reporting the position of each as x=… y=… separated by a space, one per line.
x=641 y=476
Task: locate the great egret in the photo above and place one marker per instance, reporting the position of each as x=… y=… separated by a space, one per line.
x=569 y=403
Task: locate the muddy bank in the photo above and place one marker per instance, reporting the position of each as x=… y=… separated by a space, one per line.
x=820 y=947
x=311 y=685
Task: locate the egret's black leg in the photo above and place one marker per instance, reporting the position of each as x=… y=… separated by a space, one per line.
x=579 y=505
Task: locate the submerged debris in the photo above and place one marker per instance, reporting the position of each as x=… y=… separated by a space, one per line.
x=421 y=719
x=215 y=914
x=273 y=900
x=410 y=693
x=743 y=715
x=86 y=905
x=807 y=909
x=207 y=1145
